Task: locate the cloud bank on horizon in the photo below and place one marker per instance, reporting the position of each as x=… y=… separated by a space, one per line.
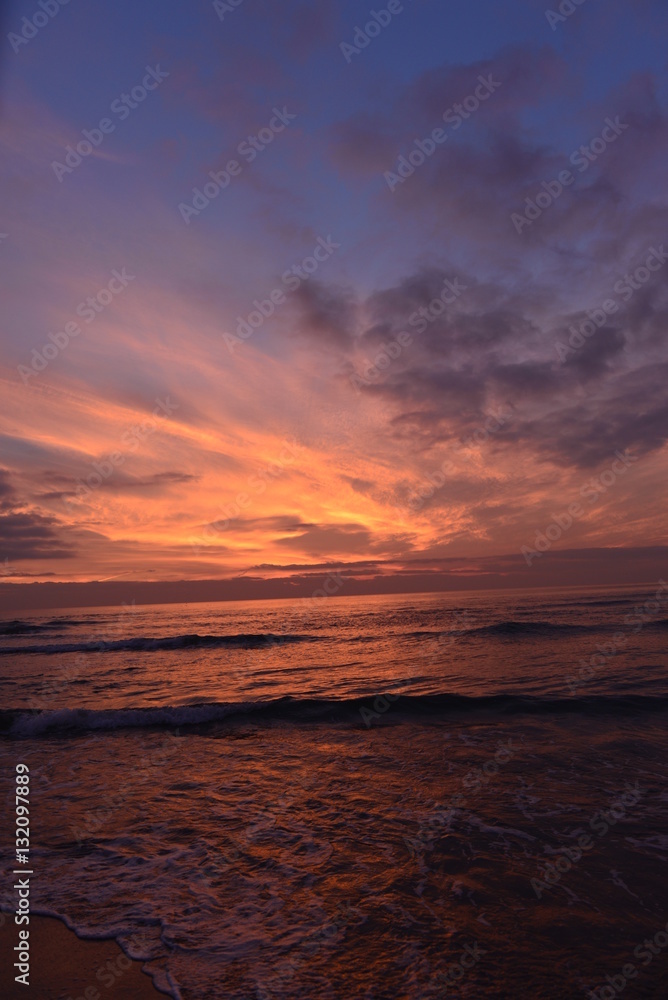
x=289 y=286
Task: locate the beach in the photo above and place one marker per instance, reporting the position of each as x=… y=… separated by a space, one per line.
x=409 y=841
x=64 y=966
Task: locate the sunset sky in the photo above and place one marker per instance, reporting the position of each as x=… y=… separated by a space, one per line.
x=160 y=438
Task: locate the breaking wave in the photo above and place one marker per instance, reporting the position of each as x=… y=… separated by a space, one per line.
x=371 y=710
x=251 y=640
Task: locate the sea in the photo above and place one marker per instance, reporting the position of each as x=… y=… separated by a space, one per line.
x=400 y=797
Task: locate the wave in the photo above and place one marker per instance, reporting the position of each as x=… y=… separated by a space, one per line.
x=250 y=640
x=551 y=629
x=514 y=628
x=254 y=640
x=364 y=712
x=618 y=602
x=126 y=941
x=502 y=629
x=20 y=627
x=584 y=603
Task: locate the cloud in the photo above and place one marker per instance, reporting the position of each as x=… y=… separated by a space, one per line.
x=118 y=482
x=326 y=313
x=370 y=140
x=493 y=349
x=27 y=534
x=364 y=450
x=32 y=536
x=331 y=539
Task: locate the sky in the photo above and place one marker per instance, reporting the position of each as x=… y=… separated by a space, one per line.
x=296 y=286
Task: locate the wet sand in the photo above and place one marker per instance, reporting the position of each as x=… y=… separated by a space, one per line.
x=63 y=967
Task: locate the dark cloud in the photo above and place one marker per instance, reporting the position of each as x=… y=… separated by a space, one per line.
x=166 y=479
x=590 y=565
x=370 y=141
x=525 y=73
x=25 y=533
x=320 y=540
x=488 y=166
x=6 y=490
x=597 y=355
x=32 y=536
x=494 y=349
x=633 y=415
x=363 y=486
x=242 y=525
x=497 y=344
x=327 y=313
x=329 y=538
x=117 y=481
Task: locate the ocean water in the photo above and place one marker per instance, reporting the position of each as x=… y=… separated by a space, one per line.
x=386 y=797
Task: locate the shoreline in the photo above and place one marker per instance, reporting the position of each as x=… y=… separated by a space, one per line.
x=67 y=966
